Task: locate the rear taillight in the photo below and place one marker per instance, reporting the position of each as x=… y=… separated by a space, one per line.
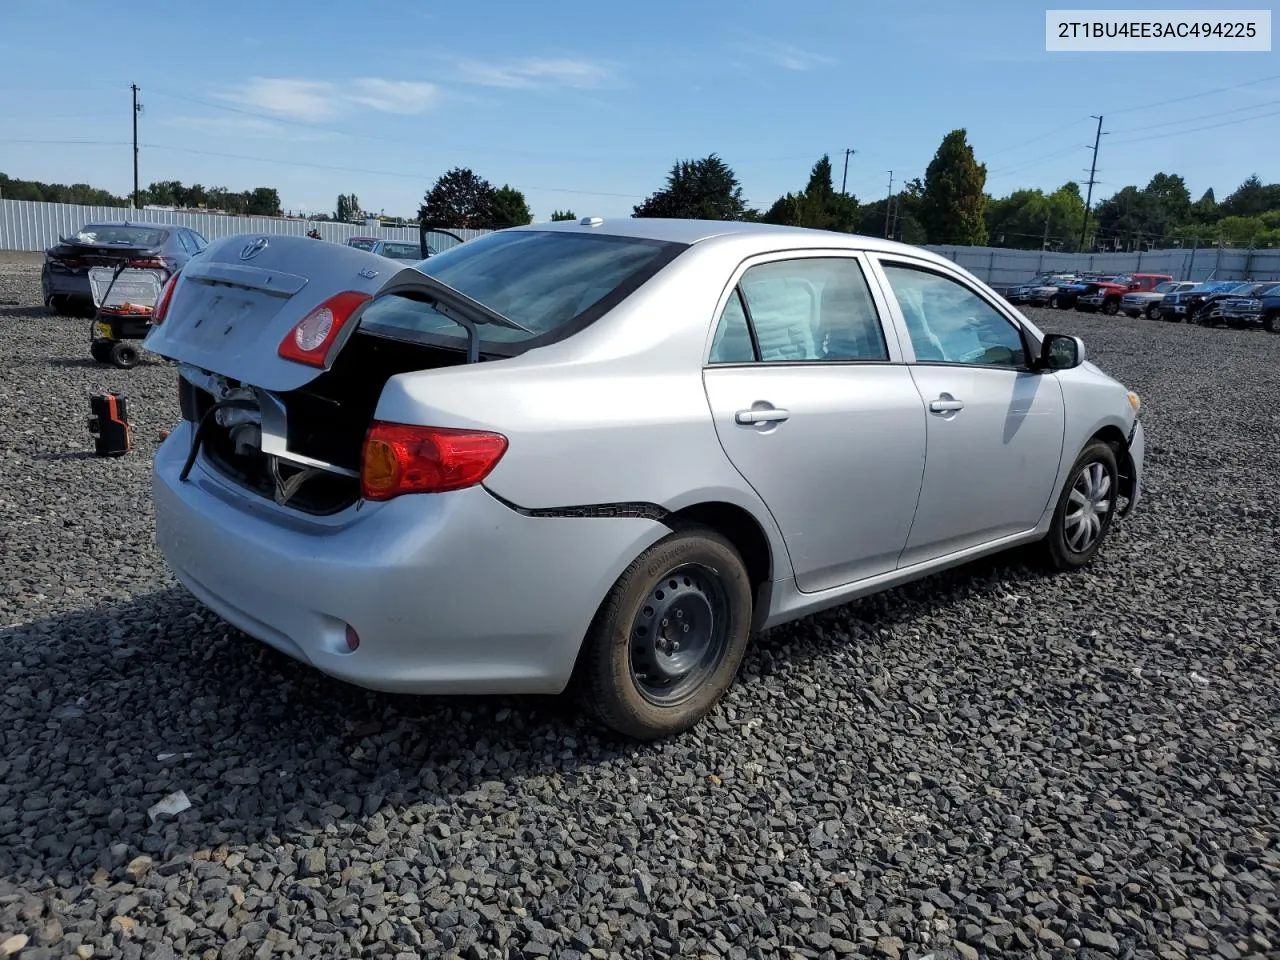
x=309 y=341
x=400 y=458
x=162 y=305
x=149 y=263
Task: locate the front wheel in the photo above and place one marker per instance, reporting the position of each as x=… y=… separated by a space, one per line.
x=1153 y=312
x=1085 y=509
x=124 y=355
x=1271 y=322
x=1053 y=302
x=1111 y=307
x=669 y=638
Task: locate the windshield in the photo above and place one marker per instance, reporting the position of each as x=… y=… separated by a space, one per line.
x=1165 y=287
x=133 y=236
x=542 y=280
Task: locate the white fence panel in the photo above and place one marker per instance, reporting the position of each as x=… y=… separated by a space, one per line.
x=27 y=225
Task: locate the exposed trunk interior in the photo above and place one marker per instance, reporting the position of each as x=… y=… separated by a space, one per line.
x=326 y=421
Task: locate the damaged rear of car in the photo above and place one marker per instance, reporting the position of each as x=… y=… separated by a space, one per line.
x=307 y=380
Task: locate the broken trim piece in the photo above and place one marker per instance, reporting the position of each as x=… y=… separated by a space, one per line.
x=632 y=511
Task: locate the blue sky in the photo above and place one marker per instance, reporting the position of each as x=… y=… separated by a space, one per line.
x=586 y=105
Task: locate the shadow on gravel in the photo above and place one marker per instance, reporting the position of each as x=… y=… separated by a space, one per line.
x=72 y=455
x=75 y=361
x=18 y=313
x=110 y=709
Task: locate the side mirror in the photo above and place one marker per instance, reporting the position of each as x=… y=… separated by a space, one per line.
x=1061 y=352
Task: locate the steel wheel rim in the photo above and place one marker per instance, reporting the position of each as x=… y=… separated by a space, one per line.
x=680 y=635
x=1088 y=506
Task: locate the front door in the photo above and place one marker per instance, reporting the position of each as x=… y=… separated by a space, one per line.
x=814 y=408
x=995 y=428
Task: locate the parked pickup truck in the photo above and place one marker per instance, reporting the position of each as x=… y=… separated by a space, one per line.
x=1107 y=295
x=1183 y=305
x=1147 y=302
x=1209 y=311
x=1068 y=293
x=1260 y=307
x=1040 y=290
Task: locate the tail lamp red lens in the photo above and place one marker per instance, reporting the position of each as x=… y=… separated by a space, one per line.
x=309 y=341
x=401 y=458
x=162 y=305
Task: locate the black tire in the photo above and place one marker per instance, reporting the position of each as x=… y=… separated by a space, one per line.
x=1057 y=549
x=1053 y=302
x=1271 y=322
x=1111 y=306
x=56 y=304
x=100 y=350
x=1153 y=311
x=124 y=354
x=628 y=677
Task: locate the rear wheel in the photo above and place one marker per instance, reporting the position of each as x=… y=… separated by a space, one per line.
x=1153 y=311
x=1271 y=322
x=1085 y=509
x=668 y=640
x=1053 y=302
x=124 y=354
x=1111 y=306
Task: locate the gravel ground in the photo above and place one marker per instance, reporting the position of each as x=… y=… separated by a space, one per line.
x=988 y=763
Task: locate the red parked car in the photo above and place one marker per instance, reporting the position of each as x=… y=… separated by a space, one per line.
x=1108 y=293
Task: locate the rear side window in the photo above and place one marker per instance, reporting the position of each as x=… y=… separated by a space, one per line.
x=186 y=242
x=549 y=282
x=807 y=309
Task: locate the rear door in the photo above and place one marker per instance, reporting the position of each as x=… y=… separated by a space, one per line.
x=815 y=409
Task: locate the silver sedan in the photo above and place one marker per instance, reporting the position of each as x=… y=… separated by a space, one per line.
x=601 y=454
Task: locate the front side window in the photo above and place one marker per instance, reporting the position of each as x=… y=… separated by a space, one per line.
x=949 y=323
x=544 y=281
x=808 y=309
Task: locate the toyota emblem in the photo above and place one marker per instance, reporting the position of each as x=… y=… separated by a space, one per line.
x=251 y=250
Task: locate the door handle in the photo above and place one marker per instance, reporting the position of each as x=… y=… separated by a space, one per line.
x=762 y=416
x=946 y=406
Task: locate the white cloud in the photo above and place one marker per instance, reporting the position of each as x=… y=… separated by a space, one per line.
x=561 y=72
x=300 y=99
x=785 y=56
x=392 y=96
x=245 y=127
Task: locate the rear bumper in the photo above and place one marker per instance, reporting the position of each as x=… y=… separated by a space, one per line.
x=452 y=593
x=66 y=285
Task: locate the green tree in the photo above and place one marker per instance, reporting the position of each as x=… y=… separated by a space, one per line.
x=819 y=206
x=510 y=207
x=459 y=198
x=263 y=202
x=563 y=215
x=954 y=200
x=704 y=189
x=1251 y=199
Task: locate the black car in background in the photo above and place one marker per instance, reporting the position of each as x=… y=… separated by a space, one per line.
x=64 y=278
x=1260 y=307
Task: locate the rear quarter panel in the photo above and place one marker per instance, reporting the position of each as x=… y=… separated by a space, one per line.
x=615 y=414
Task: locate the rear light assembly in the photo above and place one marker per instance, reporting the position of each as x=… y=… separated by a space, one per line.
x=401 y=458
x=162 y=305
x=149 y=263
x=310 y=339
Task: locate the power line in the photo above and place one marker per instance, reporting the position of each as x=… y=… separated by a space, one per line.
x=1195 y=96
x=1204 y=116
x=1211 y=126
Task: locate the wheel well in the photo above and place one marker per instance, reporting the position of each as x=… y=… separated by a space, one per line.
x=740 y=528
x=1115 y=439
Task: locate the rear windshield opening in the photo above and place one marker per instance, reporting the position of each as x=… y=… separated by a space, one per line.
x=549 y=282
x=134 y=236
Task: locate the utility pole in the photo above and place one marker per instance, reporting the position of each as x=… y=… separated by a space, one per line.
x=1045 y=244
x=845 y=179
x=1093 y=169
x=888 y=205
x=136 y=109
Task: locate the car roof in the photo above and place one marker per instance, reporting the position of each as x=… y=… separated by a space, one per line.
x=699 y=231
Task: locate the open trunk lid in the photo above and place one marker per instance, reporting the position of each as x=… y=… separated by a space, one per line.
x=237 y=300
